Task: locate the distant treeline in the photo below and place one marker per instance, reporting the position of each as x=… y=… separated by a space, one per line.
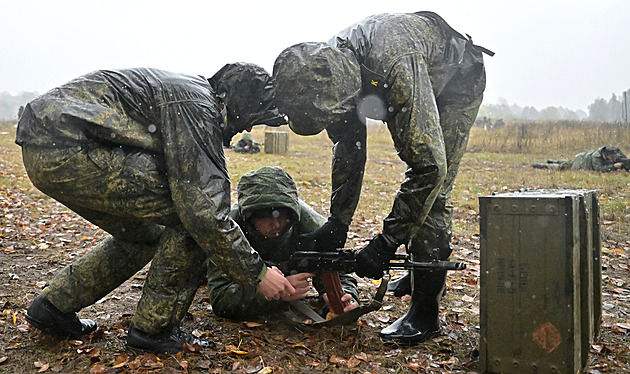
x=614 y=110
x=10 y=105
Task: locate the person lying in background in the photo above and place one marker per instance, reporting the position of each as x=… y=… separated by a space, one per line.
x=604 y=159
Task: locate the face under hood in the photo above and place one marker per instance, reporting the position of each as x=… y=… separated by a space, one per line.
x=316 y=85
x=267 y=187
x=247 y=92
x=612 y=152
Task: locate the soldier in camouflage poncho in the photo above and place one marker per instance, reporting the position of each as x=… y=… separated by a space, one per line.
x=603 y=159
x=426 y=81
x=269 y=193
x=246 y=144
x=139 y=153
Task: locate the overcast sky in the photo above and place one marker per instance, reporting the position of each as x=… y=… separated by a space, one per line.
x=548 y=53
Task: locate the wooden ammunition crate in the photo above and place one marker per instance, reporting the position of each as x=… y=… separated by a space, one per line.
x=540 y=305
x=276 y=141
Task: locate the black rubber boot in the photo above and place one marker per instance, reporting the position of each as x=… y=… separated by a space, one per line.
x=421 y=321
x=170 y=341
x=401 y=286
x=44 y=316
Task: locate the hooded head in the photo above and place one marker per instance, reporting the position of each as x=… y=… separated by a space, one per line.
x=612 y=153
x=316 y=85
x=247 y=92
x=265 y=189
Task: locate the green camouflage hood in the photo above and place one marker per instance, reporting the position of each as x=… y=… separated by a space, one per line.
x=267 y=187
x=247 y=91
x=316 y=85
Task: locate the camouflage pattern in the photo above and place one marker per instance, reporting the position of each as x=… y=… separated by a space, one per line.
x=421 y=77
x=267 y=187
x=139 y=153
x=246 y=144
x=601 y=159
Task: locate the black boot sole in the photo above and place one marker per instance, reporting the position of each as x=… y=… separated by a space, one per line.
x=410 y=340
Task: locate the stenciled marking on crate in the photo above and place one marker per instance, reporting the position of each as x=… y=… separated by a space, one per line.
x=511 y=275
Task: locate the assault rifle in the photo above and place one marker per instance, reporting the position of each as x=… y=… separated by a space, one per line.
x=625 y=163
x=328 y=265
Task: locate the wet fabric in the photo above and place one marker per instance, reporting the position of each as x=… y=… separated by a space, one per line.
x=422 y=78
x=267 y=187
x=134 y=151
x=602 y=159
x=246 y=144
x=254 y=108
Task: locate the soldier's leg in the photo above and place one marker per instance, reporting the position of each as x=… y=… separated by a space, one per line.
x=177 y=271
x=97 y=273
x=458 y=107
x=104 y=186
x=432 y=241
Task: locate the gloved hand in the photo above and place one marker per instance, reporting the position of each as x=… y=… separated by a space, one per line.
x=330 y=236
x=373 y=260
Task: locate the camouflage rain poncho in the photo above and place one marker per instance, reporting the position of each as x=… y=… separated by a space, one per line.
x=135 y=151
x=417 y=74
x=597 y=159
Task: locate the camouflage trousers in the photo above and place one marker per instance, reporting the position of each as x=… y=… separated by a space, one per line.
x=126 y=194
x=434 y=129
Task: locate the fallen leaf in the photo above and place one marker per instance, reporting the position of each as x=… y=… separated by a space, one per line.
x=135 y=364
x=121 y=361
x=413 y=366
x=150 y=361
x=253 y=324
x=353 y=362
x=299 y=346
x=184 y=365
x=43 y=368
x=94 y=352
x=363 y=356
x=236 y=350
x=337 y=360
x=98 y=368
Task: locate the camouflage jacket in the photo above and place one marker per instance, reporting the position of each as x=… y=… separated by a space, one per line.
x=264 y=188
x=390 y=48
x=173 y=116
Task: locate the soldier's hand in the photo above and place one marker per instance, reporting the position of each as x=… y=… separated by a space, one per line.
x=301 y=285
x=347 y=300
x=373 y=260
x=329 y=237
x=274 y=285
